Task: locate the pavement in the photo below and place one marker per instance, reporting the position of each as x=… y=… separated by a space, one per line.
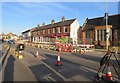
x=0 y=62
x=14 y=70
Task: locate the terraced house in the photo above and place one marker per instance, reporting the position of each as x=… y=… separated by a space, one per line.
x=94 y=30
x=65 y=31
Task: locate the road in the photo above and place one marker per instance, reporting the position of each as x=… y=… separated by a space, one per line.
x=75 y=66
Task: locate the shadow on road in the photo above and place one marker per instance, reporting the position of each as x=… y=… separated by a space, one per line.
x=5 y=56
x=9 y=69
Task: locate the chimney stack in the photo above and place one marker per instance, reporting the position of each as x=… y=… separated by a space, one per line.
x=38 y=26
x=63 y=19
x=53 y=21
x=43 y=24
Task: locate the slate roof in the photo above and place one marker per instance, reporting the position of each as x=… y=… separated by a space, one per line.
x=57 y=24
x=112 y=20
x=26 y=31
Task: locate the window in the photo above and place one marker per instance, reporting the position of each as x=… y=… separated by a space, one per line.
x=88 y=34
x=38 y=32
x=58 y=29
x=39 y=39
x=54 y=30
x=97 y=35
x=101 y=35
x=65 y=29
x=43 y=31
x=48 y=31
x=105 y=34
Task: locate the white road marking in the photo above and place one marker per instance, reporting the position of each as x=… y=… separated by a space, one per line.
x=65 y=79
x=62 y=70
x=83 y=69
x=97 y=71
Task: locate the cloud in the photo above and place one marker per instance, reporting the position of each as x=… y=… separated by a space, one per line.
x=45 y=5
x=14 y=9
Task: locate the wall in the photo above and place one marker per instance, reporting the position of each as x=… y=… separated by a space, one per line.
x=74 y=31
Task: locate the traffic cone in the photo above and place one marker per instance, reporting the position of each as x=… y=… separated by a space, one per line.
x=37 y=54
x=109 y=74
x=58 y=60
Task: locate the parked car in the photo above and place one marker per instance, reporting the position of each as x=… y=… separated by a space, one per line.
x=11 y=41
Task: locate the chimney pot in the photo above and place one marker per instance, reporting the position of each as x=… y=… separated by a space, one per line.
x=63 y=19
x=53 y=21
x=43 y=24
x=38 y=26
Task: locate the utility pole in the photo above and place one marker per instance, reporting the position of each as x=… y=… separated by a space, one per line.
x=107 y=30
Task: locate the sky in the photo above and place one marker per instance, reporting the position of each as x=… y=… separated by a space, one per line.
x=20 y=16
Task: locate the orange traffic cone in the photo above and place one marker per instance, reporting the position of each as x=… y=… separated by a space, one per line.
x=37 y=54
x=58 y=58
x=109 y=74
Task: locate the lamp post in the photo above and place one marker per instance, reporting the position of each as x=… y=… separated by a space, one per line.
x=107 y=30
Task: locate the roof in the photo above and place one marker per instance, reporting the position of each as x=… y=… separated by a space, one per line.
x=58 y=24
x=100 y=21
x=26 y=31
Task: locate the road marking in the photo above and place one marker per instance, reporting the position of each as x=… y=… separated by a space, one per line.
x=62 y=70
x=83 y=69
x=65 y=79
x=118 y=80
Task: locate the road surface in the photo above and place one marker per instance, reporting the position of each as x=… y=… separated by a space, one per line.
x=75 y=66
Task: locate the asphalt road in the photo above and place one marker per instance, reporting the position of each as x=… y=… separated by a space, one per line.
x=75 y=66
x=86 y=60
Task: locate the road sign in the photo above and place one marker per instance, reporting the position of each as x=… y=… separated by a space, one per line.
x=20 y=47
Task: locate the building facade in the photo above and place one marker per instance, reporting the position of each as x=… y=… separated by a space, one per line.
x=26 y=36
x=94 y=30
x=9 y=36
x=65 y=31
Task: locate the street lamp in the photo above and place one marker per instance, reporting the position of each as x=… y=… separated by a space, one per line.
x=107 y=30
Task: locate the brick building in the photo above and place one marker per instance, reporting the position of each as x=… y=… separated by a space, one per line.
x=64 y=30
x=94 y=30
